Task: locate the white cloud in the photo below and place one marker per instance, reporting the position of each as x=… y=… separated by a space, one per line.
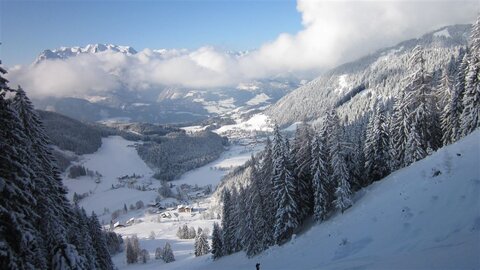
x=334 y=32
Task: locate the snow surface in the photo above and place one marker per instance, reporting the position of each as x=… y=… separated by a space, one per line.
x=217 y=107
x=258 y=99
x=258 y=122
x=116 y=157
x=212 y=173
x=409 y=220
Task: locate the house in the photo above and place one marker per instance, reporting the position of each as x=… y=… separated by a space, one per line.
x=118 y=225
x=184 y=209
x=166 y=215
x=130 y=221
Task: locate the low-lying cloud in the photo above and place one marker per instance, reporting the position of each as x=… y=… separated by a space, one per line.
x=334 y=32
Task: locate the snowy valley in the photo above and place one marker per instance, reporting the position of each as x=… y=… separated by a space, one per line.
x=317 y=150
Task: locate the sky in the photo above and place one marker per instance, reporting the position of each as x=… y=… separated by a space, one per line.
x=299 y=38
x=29 y=27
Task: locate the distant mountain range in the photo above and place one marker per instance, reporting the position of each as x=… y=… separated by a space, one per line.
x=165 y=105
x=67 y=52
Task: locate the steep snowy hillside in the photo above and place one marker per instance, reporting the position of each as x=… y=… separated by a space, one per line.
x=425 y=216
x=354 y=87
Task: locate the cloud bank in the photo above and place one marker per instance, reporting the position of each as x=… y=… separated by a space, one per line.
x=334 y=32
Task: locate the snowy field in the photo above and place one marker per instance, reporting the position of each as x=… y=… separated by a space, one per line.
x=212 y=173
x=115 y=158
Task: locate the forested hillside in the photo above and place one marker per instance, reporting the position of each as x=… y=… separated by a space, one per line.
x=355 y=87
x=317 y=172
x=178 y=152
x=70 y=134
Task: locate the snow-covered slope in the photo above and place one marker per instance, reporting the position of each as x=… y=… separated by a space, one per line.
x=67 y=52
x=354 y=87
x=115 y=158
x=425 y=216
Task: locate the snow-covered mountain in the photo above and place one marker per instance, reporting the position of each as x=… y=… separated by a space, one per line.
x=354 y=87
x=67 y=52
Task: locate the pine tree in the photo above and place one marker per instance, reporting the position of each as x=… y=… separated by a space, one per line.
x=255 y=222
x=238 y=208
x=227 y=223
x=38 y=228
x=414 y=148
x=167 y=255
x=470 y=119
x=217 y=242
x=50 y=194
x=320 y=177
x=21 y=245
x=420 y=101
x=201 y=245
x=287 y=214
x=340 y=173
x=446 y=91
x=399 y=130
x=302 y=148
x=80 y=236
x=266 y=192
x=376 y=149
x=103 y=260
x=458 y=94
x=326 y=141
x=130 y=253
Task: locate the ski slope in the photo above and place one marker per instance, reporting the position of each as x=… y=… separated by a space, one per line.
x=412 y=219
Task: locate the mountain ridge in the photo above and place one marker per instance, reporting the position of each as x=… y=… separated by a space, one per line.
x=366 y=79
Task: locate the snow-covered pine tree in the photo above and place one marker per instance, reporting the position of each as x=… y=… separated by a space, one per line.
x=458 y=93
x=50 y=194
x=266 y=191
x=238 y=205
x=21 y=246
x=79 y=235
x=130 y=252
x=201 y=245
x=228 y=227
x=340 y=173
x=420 y=103
x=448 y=119
x=355 y=158
x=325 y=141
x=320 y=177
x=470 y=118
x=103 y=260
x=285 y=192
x=44 y=232
x=301 y=150
x=167 y=255
x=376 y=148
x=254 y=219
x=414 y=147
x=399 y=130
x=217 y=242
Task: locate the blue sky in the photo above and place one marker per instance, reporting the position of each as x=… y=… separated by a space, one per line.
x=29 y=27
